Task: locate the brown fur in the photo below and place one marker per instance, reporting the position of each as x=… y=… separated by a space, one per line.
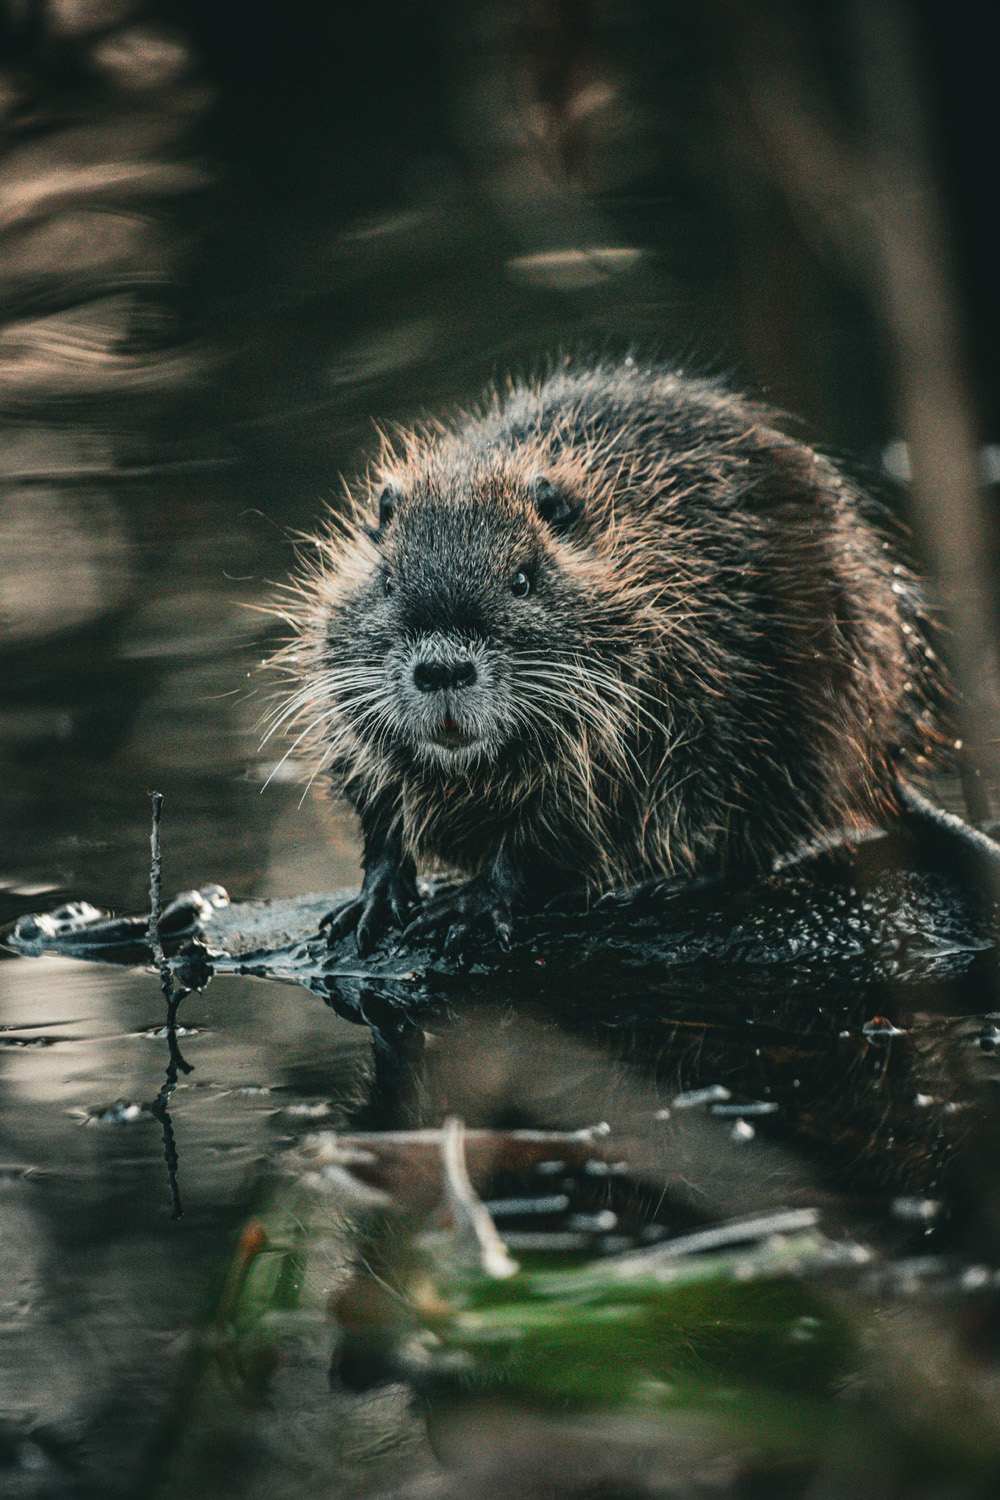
x=720 y=659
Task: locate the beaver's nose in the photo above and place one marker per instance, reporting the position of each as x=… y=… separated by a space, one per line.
x=436 y=676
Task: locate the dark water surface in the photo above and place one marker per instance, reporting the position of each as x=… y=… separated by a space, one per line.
x=225 y=256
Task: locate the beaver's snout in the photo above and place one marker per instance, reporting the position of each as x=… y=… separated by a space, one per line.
x=441 y=676
x=451 y=736
x=447 y=695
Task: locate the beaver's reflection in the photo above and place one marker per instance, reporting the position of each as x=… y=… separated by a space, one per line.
x=621 y=1146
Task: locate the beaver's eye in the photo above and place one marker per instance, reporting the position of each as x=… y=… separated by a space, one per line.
x=520 y=585
x=388 y=585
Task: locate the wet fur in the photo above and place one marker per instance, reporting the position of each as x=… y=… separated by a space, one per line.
x=720 y=659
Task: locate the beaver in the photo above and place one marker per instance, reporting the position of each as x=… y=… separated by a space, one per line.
x=614 y=623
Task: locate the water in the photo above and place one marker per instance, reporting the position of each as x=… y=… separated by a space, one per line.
x=727 y=1067
x=258 y=252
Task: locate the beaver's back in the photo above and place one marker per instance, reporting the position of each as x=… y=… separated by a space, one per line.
x=792 y=668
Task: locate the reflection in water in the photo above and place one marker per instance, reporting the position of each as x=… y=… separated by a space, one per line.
x=92 y=1342
x=173 y=995
x=175 y=1065
x=765 y=1078
x=642 y=1036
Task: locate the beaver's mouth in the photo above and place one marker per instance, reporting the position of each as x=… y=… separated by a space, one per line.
x=450 y=735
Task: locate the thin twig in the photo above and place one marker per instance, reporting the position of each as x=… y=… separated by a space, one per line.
x=173 y=995
x=153 y=930
x=475 y=1229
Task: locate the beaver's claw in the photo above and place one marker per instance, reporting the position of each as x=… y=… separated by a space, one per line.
x=474 y=913
x=386 y=898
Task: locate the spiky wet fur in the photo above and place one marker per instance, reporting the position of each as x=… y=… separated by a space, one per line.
x=720 y=659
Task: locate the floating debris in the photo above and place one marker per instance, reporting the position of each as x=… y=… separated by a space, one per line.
x=755 y=1107
x=599 y=1223
x=512 y=1208
x=716 y=1093
x=162 y=1033
x=880 y=1029
x=122 y=1112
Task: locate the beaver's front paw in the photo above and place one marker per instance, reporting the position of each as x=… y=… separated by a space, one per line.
x=476 y=913
x=386 y=899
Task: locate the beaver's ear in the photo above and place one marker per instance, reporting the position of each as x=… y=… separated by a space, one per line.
x=390 y=494
x=554 y=507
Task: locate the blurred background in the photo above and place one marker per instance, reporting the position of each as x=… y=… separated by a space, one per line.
x=234 y=240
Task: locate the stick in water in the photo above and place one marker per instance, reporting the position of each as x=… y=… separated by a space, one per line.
x=173 y=997
x=153 y=930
